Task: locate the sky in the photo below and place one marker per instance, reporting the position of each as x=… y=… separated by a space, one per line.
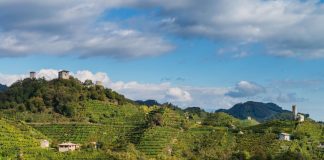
x=211 y=53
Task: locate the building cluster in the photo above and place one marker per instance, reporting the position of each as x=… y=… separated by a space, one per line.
x=63 y=147
x=64 y=74
x=296 y=117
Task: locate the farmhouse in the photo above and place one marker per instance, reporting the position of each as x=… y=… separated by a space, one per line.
x=44 y=143
x=284 y=136
x=65 y=147
x=64 y=74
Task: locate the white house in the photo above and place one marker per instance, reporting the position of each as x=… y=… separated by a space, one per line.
x=44 y=143
x=65 y=147
x=64 y=74
x=284 y=136
x=300 y=118
x=321 y=145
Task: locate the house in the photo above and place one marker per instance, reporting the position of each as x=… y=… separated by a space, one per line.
x=64 y=74
x=68 y=146
x=321 y=145
x=249 y=118
x=44 y=143
x=32 y=75
x=284 y=136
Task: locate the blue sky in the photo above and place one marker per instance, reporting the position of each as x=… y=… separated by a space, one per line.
x=269 y=51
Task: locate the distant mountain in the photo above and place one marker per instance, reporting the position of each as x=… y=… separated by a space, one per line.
x=149 y=102
x=3 y=87
x=257 y=110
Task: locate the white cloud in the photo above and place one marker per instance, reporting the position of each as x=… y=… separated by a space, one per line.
x=246 y=89
x=87 y=75
x=72 y=27
x=8 y=79
x=48 y=74
x=177 y=94
x=289 y=28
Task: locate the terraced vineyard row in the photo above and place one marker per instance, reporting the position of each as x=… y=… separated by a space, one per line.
x=14 y=140
x=77 y=133
x=156 y=139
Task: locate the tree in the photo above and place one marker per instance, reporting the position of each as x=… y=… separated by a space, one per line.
x=36 y=104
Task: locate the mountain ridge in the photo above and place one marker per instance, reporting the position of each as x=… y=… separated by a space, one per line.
x=256 y=110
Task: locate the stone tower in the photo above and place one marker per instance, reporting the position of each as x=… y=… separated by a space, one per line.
x=64 y=74
x=32 y=75
x=294 y=111
x=99 y=83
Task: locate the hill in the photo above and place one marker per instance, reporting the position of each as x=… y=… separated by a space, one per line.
x=58 y=96
x=84 y=113
x=149 y=102
x=257 y=110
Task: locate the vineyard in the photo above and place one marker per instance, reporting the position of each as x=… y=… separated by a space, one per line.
x=17 y=138
x=77 y=133
x=157 y=139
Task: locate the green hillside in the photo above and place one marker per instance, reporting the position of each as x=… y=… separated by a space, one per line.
x=82 y=113
x=17 y=138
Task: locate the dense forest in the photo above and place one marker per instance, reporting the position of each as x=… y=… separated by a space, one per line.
x=82 y=112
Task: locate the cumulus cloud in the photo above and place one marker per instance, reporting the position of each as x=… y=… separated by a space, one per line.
x=87 y=75
x=289 y=28
x=72 y=27
x=8 y=79
x=246 y=89
x=289 y=98
x=177 y=94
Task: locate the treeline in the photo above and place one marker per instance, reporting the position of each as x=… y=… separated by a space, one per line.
x=59 y=95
